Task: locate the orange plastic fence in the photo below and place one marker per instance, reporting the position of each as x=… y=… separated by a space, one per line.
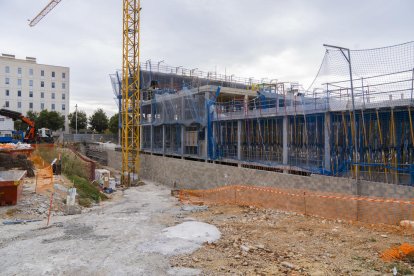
x=397 y=252
x=44 y=175
x=334 y=206
x=44 y=180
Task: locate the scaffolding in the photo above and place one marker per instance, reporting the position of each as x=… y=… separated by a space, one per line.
x=349 y=123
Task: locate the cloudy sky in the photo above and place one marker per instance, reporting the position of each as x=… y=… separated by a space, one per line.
x=263 y=38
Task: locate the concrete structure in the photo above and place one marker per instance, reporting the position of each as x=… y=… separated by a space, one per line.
x=316 y=139
x=26 y=86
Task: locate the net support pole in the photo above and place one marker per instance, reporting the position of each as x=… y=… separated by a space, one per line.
x=412 y=86
x=347 y=55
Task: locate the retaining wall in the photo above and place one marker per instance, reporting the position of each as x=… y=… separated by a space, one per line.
x=202 y=175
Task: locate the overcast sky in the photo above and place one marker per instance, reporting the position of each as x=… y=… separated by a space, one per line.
x=262 y=38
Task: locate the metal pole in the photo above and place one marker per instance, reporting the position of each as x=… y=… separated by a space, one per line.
x=76 y=118
x=412 y=86
x=348 y=59
x=354 y=119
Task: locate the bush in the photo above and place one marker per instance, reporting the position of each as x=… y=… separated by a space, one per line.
x=86 y=190
x=74 y=169
x=72 y=165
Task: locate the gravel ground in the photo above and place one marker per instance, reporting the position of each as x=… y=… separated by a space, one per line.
x=268 y=242
x=106 y=240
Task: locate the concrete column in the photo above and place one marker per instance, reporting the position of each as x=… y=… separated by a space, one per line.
x=206 y=130
x=152 y=137
x=182 y=139
x=285 y=140
x=239 y=136
x=246 y=104
x=214 y=137
x=163 y=139
x=327 y=134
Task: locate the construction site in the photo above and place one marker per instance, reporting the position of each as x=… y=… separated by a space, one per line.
x=214 y=174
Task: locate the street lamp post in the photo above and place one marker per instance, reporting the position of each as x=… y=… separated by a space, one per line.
x=347 y=55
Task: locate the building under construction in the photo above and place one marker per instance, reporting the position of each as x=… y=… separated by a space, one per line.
x=355 y=120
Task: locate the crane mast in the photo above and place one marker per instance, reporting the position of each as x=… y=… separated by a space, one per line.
x=131 y=133
x=131 y=126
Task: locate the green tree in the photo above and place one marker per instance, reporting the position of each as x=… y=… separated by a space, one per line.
x=113 y=124
x=82 y=120
x=52 y=120
x=98 y=121
x=19 y=125
x=32 y=115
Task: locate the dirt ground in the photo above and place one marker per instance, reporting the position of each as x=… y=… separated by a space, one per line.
x=269 y=242
x=124 y=236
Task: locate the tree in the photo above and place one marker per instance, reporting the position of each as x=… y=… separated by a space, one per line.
x=52 y=120
x=113 y=124
x=32 y=115
x=19 y=125
x=82 y=120
x=98 y=121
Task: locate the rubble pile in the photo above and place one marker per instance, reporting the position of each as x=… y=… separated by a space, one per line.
x=8 y=162
x=271 y=242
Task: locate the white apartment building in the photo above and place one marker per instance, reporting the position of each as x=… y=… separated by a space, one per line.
x=26 y=86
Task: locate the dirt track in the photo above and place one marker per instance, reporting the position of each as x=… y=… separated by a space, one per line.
x=268 y=242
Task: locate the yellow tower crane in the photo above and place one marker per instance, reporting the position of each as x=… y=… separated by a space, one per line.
x=131 y=125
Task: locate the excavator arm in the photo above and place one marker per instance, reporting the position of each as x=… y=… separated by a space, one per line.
x=30 y=136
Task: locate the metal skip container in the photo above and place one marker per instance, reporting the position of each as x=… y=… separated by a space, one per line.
x=11 y=186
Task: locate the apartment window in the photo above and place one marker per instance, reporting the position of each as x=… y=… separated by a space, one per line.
x=19 y=82
x=42 y=95
x=19 y=93
x=7 y=92
x=31 y=94
x=7 y=81
x=53 y=74
x=53 y=95
x=53 y=106
x=63 y=107
x=31 y=83
x=63 y=75
x=42 y=84
x=30 y=72
x=63 y=96
x=63 y=85
x=7 y=104
x=19 y=71
x=31 y=105
x=42 y=73
x=42 y=106
x=19 y=104
x=7 y=69
x=53 y=85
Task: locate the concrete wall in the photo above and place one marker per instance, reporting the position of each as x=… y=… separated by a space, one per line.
x=115 y=159
x=201 y=175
